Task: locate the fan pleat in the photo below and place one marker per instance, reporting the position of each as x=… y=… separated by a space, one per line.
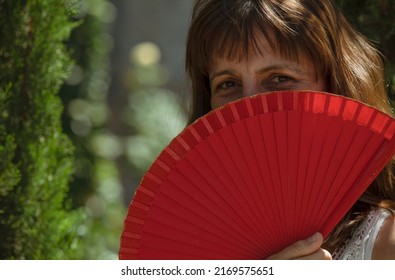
x=319 y=183
x=380 y=123
x=133 y=225
x=348 y=150
x=368 y=160
x=302 y=192
x=314 y=190
x=280 y=126
x=268 y=216
x=249 y=183
x=238 y=172
x=215 y=212
x=211 y=238
x=256 y=175
x=272 y=173
x=178 y=209
x=328 y=194
x=333 y=182
x=375 y=164
x=295 y=127
x=230 y=192
x=294 y=121
x=215 y=197
x=176 y=248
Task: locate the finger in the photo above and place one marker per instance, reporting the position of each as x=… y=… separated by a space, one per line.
x=320 y=254
x=300 y=248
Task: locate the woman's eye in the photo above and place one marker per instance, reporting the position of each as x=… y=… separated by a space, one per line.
x=281 y=79
x=226 y=85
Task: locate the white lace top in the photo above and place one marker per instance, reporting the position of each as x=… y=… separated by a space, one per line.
x=360 y=246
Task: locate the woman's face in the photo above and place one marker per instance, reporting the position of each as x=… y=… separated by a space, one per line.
x=260 y=72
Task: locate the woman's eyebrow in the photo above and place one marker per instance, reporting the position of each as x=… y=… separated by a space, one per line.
x=220 y=73
x=276 y=67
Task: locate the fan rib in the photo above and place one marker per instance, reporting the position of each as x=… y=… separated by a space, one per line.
x=133 y=224
x=181 y=224
x=250 y=110
x=370 y=148
x=315 y=106
x=308 y=121
x=268 y=217
x=336 y=163
x=323 y=164
x=230 y=142
x=269 y=142
x=233 y=167
x=362 y=133
x=145 y=195
x=220 y=173
x=257 y=180
x=273 y=104
x=280 y=126
x=374 y=166
x=340 y=184
x=183 y=143
x=389 y=133
x=380 y=122
x=195 y=134
x=178 y=247
x=172 y=153
x=234 y=111
x=210 y=240
x=252 y=185
x=132 y=240
x=294 y=120
x=212 y=175
x=220 y=118
x=214 y=196
x=207 y=125
x=315 y=190
x=254 y=176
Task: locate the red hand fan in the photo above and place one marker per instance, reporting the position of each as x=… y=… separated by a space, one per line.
x=254 y=176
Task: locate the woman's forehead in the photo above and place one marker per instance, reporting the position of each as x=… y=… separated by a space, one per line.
x=258 y=44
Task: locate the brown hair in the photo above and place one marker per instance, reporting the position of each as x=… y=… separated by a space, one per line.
x=352 y=66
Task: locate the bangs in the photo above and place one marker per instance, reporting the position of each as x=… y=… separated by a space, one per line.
x=233 y=33
x=234 y=42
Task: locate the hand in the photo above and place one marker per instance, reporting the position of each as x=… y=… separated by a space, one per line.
x=307 y=249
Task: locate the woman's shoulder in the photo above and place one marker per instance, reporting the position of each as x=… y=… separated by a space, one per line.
x=384 y=247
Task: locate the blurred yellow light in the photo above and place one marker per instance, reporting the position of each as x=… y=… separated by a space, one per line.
x=145 y=53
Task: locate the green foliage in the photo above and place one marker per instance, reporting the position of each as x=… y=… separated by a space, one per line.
x=35 y=166
x=96 y=182
x=111 y=143
x=37 y=159
x=9 y=175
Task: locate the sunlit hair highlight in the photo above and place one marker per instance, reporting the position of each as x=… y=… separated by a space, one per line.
x=315 y=29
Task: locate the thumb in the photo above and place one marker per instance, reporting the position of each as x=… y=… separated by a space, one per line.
x=300 y=248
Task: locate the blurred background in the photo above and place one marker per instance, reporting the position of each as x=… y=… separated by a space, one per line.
x=132 y=97
x=124 y=101
x=125 y=96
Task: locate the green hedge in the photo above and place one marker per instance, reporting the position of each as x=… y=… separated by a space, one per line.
x=35 y=156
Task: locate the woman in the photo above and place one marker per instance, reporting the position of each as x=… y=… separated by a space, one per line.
x=238 y=48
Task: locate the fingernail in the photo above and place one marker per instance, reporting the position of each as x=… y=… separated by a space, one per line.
x=313 y=238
